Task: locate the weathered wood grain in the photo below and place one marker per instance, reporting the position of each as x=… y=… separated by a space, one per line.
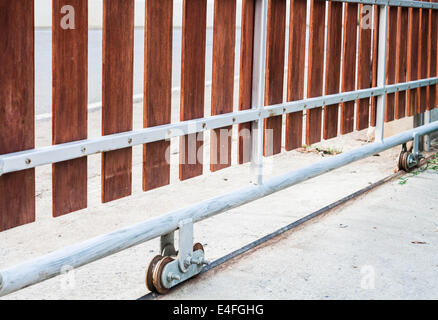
x=70 y=102
x=245 y=81
x=117 y=94
x=192 y=84
x=391 y=54
x=295 y=75
x=224 y=39
x=423 y=55
x=412 y=65
x=275 y=54
x=157 y=90
x=349 y=65
x=17 y=189
x=315 y=69
x=402 y=50
x=333 y=67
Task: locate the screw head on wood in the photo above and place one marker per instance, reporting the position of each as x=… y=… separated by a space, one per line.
x=28 y=161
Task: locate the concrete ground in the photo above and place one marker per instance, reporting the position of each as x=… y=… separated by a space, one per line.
x=381 y=246
x=121 y=276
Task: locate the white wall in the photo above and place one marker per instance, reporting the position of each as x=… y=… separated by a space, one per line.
x=43 y=13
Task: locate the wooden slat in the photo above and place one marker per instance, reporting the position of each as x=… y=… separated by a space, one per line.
x=17 y=190
x=333 y=67
x=69 y=99
x=192 y=84
x=363 y=68
x=374 y=63
x=245 y=81
x=315 y=69
x=157 y=89
x=412 y=65
x=391 y=54
x=349 y=65
x=402 y=50
x=224 y=39
x=432 y=66
x=275 y=54
x=295 y=75
x=423 y=57
x=117 y=94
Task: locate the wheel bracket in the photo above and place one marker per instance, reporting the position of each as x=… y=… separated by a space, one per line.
x=165 y=272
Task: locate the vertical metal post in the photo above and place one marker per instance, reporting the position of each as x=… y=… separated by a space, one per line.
x=167 y=244
x=418 y=122
x=427 y=120
x=381 y=72
x=258 y=88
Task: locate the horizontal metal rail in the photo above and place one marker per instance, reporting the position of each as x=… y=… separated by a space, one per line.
x=57 y=153
x=48 y=266
x=395 y=3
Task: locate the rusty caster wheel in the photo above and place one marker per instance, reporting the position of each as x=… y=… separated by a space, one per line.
x=150 y=273
x=155 y=269
x=403 y=159
x=157 y=274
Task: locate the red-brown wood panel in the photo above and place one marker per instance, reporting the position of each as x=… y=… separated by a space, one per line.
x=157 y=89
x=364 y=67
x=391 y=54
x=192 y=84
x=17 y=189
x=423 y=57
x=295 y=76
x=432 y=56
x=275 y=54
x=349 y=65
x=69 y=100
x=412 y=65
x=117 y=94
x=224 y=39
x=333 y=67
x=374 y=63
x=245 y=82
x=402 y=50
x=315 y=69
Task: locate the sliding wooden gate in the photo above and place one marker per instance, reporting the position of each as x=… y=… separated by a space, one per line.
x=342 y=56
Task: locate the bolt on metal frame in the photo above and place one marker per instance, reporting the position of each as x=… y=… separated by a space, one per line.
x=45 y=267
x=57 y=153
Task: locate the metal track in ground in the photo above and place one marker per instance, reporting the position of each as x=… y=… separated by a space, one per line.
x=289 y=227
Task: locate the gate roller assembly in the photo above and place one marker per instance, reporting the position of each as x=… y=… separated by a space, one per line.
x=172 y=267
x=409 y=159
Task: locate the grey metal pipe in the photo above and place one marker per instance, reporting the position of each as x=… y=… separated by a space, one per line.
x=50 y=265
